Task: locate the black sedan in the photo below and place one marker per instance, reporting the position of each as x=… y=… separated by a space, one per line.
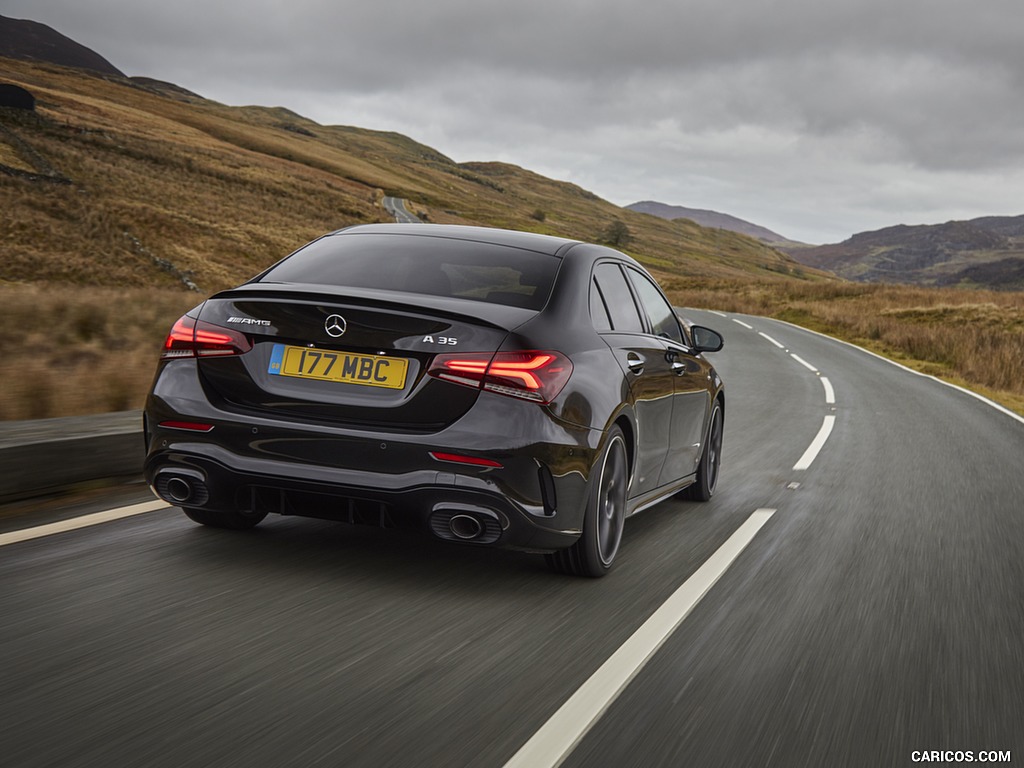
x=489 y=387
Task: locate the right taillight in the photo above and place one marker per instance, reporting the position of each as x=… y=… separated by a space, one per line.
x=532 y=375
x=197 y=338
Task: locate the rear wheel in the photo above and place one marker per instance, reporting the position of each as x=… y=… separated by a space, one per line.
x=231 y=519
x=593 y=554
x=710 y=459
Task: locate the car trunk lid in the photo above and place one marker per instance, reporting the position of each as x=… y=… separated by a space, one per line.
x=357 y=360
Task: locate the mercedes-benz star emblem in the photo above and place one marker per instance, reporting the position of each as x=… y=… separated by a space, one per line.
x=335 y=325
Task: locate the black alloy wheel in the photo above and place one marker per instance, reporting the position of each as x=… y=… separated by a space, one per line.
x=594 y=553
x=710 y=459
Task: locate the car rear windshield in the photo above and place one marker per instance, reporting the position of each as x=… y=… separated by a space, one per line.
x=435 y=266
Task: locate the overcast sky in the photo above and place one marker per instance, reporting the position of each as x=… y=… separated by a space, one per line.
x=814 y=118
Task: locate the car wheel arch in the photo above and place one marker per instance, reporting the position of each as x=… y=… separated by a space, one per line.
x=625 y=423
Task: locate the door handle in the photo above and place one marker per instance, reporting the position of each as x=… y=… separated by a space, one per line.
x=635 y=363
x=678 y=368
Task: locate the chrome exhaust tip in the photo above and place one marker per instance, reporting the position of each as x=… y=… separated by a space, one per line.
x=465 y=527
x=179 y=490
x=467 y=523
x=181 y=486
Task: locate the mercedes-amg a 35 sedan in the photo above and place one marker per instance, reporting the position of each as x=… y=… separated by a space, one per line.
x=489 y=387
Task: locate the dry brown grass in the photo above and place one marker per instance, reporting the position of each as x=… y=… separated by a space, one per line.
x=71 y=351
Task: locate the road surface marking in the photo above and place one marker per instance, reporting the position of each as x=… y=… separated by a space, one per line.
x=80 y=522
x=1005 y=411
x=819 y=442
x=559 y=735
x=740 y=322
x=804 y=363
x=769 y=338
x=830 y=394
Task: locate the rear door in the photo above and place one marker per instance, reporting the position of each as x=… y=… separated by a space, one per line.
x=642 y=356
x=691 y=392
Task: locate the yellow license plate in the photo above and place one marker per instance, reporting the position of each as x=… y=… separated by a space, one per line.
x=344 y=367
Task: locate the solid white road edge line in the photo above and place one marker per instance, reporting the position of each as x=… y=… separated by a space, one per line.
x=830 y=394
x=80 y=522
x=769 y=338
x=559 y=735
x=819 y=442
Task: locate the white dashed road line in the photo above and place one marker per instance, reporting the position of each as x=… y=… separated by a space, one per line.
x=819 y=442
x=804 y=363
x=830 y=394
x=830 y=399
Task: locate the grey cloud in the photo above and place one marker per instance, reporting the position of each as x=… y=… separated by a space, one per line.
x=816 y=116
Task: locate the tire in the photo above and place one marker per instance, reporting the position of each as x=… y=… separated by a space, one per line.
x=231 y=519
x=710 y=465
x=594 y=552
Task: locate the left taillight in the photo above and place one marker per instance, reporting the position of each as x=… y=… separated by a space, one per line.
x=532 y=375
x=197 y=338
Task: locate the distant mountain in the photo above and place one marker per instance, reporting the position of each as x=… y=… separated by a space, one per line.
x=986 y=252
x=710 y=219
x=32 y=41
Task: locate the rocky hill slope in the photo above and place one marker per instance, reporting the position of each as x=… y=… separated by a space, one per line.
x=987 y=252
x=32 y=41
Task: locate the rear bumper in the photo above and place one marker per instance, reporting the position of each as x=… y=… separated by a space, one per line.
x=533 y=501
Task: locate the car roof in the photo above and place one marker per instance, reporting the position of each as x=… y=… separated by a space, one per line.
x=530 y=241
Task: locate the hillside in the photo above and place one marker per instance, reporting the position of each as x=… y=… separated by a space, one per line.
x=126 y=200
x=130 y=181
x=32 y=41
x=986 y=252
x=712 y=219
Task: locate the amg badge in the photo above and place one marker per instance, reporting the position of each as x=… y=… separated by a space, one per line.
x=248 y=321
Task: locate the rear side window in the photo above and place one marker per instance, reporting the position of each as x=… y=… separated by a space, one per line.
x=618 y=298
x=598 y=311
x=434 y=266
x=663 y=319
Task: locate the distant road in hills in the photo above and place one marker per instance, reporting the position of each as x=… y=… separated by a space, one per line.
x=397 y=208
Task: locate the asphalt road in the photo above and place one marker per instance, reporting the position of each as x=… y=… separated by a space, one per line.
x=878 y=611
x=396 y=207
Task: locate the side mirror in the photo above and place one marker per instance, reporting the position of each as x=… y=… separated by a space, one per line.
x=706 y=340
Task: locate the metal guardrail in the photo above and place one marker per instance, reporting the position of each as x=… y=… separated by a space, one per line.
x=47 y=455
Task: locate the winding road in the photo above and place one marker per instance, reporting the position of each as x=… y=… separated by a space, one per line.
x=852 y=596
x=397 y=207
